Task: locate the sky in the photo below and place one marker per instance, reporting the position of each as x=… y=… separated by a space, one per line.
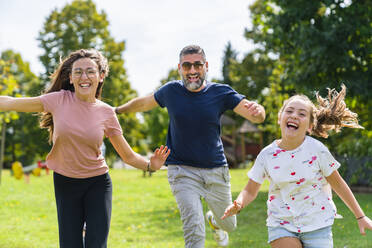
x=154 y=32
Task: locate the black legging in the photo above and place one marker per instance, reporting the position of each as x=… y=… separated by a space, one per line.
x=83 y=200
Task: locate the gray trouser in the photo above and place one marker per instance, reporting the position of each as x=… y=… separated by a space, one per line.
x=190 y=184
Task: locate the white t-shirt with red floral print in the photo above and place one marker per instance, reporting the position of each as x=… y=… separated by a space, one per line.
x=299 y=197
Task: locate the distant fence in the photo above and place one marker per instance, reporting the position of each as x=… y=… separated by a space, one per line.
x=356 y=171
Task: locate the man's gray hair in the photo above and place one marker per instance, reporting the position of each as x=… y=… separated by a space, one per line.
x=192 y=49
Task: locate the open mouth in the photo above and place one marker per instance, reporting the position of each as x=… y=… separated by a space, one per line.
x=292 y=125
x=85 y=85
x=193 y=77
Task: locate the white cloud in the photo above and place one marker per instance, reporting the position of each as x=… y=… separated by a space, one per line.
x=154 y=32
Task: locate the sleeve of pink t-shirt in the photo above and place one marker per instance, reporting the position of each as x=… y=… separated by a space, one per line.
x=51 y=100
x=112 y=125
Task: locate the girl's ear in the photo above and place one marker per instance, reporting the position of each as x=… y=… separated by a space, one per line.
x=102 y=77
x=310 y=129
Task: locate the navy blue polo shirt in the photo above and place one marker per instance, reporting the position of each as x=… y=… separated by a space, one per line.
x=194 y=122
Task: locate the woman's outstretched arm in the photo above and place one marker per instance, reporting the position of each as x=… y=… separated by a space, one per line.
x=21 y=104
x=134 y=159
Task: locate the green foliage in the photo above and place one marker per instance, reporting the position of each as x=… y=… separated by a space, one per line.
x=79 y=25
x=25 y=141
x=308 y=46
x=157 y=119
x=354 y=151
x=323 y=43
x=320 y=44
x=8 y=87
x=229 y=58
x=251 y=75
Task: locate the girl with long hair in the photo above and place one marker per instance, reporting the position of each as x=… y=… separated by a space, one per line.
x=300 y=170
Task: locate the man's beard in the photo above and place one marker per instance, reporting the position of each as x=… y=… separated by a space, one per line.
x=192 y=86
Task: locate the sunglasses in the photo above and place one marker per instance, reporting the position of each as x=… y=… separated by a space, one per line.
x=197 y=65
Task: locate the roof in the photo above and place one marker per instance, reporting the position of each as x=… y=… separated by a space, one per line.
x=227 y=121
x=248 y=127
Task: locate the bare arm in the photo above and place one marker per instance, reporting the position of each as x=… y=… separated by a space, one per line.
x=251 y=111
x=343 y=191
x=130 y=157
x=246 y=196
x=21 y=104
x=138 y=104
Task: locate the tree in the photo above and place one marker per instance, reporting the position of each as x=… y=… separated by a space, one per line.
x=22 y=143
x=8 y=87
x=323 y=43
x=230 y=57
x=157 y=119
x=79 y=25
x=313 y=45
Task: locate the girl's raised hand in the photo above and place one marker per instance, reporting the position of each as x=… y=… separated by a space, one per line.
x=232 y=210
x=158 y=158
x=364 y=223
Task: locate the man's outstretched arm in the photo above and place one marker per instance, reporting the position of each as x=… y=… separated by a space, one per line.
x=138 y=104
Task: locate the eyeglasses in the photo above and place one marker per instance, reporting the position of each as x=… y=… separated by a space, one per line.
x=197 y=65
x=91 y=73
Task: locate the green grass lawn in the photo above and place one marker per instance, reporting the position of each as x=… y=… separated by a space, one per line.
x=144 y=214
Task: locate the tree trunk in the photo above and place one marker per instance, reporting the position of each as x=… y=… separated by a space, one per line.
x=2 y=148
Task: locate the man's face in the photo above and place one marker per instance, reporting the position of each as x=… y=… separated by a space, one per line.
x=193 y=70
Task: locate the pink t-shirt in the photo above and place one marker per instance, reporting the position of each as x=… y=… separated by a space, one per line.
x=79 y=128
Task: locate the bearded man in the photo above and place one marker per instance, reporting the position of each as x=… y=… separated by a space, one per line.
x=197 y=166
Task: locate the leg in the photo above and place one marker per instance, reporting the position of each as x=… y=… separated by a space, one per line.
x=219 y=196
x=286 y=242
x=98 y=204
x=321 y=238
x=68 y=193
x=186 y=189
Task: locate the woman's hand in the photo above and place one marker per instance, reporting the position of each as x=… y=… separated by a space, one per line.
x=158 y=158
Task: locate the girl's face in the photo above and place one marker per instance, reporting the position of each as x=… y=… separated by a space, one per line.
x=294 y=121
x=85 y=77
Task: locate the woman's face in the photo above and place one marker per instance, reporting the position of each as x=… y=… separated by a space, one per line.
x=294 y=121
x=85 y=77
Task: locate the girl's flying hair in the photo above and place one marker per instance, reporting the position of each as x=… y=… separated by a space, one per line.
x=330 y=114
